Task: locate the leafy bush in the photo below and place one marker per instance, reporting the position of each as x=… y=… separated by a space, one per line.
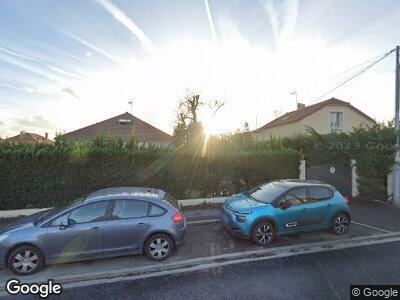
x=372 y=147
x=50 y=175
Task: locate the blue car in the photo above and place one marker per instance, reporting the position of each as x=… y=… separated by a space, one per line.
x=285 y=207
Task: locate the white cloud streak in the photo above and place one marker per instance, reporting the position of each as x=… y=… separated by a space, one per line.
x=28 y=67
x=122 y=18
x=210 y=20
x=283 y=16
x=93 y=47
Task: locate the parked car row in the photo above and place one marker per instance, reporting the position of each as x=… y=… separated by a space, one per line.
x=135 y=220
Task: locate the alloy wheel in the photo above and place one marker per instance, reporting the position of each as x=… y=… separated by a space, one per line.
x=25 y=261
x=341 y=223
x=264 y=234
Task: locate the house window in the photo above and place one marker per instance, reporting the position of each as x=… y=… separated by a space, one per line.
x=336 y=122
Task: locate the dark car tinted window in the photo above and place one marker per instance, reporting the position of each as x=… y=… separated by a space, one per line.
x=125 y=209
x=319 y=193
x=296 y=196
x=156 y=210
x=91 y=212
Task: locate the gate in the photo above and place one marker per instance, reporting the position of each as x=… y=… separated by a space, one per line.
x=338 y=176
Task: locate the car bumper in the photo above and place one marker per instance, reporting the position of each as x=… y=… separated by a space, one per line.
x=227 y=219
x=180 y=234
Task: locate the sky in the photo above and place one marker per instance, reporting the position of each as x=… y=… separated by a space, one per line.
x=68 y=64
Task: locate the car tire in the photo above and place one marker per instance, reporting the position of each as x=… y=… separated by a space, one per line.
x=25 y=260
x=158 y=246
x=340 y=224
x=263 y=233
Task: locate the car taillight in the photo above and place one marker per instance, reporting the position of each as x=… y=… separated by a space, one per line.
x=347 y=199
x=176 y=218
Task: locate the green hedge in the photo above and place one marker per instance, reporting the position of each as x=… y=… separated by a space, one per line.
x=45 y=175
x=373 y=148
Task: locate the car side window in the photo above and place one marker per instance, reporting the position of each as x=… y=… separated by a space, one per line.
x=126 y=209
x=61 y=220
x=156 y=210
x=92 y=212
x=296 y=196
x=316 y=194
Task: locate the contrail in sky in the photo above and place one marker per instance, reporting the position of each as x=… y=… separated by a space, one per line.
x=210 y=20
x=93 y=47
x=122 y=18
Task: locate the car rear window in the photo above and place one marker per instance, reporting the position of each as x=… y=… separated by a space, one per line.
x=171 y=200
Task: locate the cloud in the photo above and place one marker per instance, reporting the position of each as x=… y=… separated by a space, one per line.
x=1 y=123
x=92 y=46
x=70 y=91
x=122 y=18
x=210 y=20
x=15 y=62
x=89 y=54
x=283 y=16
x=32 y=123
x=67 y=73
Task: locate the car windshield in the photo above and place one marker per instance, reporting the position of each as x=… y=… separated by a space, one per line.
x=52 y=212
x=266 y=193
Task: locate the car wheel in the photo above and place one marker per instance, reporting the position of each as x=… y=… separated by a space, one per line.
x=263 y=233
x=25 y=260
x=340 y=224
x=158 y=247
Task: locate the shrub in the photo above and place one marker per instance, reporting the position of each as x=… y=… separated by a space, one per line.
x=51 y=175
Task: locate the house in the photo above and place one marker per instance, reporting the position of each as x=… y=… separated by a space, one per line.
x=124 y=126
x=332 y=115
x=30 y=138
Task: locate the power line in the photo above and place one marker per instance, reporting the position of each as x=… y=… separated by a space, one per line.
x=357 y=66
x=381 y=57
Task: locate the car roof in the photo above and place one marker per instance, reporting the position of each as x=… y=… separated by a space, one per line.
x=126 y=192
x=298 y=182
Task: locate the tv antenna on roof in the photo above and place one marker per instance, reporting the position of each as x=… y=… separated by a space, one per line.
x=295 y=93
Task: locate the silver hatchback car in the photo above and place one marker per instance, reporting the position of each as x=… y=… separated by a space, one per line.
x=105 y=223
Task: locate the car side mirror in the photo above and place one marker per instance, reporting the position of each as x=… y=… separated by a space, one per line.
x=284 y=204
x=71 y=222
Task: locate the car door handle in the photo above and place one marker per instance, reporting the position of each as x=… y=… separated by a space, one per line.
x=95 y=229
x=305 y=209
x=329 y=205
x=142 y=224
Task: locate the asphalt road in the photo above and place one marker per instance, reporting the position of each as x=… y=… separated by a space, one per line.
x=325 y=275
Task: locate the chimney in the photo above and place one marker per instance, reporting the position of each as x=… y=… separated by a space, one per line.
x=46 y=135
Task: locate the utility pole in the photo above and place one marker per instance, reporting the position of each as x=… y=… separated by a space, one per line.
x=396 y=166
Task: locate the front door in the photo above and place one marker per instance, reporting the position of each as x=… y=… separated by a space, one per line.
x=296 y=217
x=129 y=223
x=78 y=234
